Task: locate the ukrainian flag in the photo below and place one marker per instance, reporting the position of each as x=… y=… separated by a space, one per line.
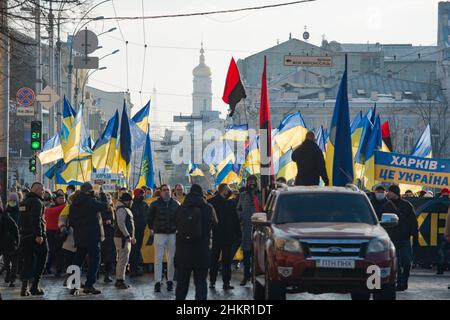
x=77 y=143
x=339 y=159
x=75 y=172
x=194 y=170
x=141 y=118
x=227 y=174
x=356 y=128
x=147 y=174
x=374 y=143
x=125 y=147
x=322 y=139
x=252 y=160
x=68 y=118
x=105 y=147
x=52 y=150
x=291 y=132
x=236 y=133
x=286 y=167
x=423 y=147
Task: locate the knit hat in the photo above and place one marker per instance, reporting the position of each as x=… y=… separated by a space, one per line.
x=138 y=193
x=395 y=189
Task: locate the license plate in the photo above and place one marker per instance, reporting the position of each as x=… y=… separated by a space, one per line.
x=335 y=264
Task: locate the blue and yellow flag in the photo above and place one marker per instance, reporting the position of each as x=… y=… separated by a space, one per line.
x=227 y=174
x=236 y=132
x=75 y=172
x=104 y=149
x=322 y=139
x=374 y=143
x=147 y=173
x=291 y=132
x=68 y=118
x=78 y=141
x=286 y=167
x=141 y=118
x=339 y=159
x=51 y=151
x=253 y=161
x=423 y=147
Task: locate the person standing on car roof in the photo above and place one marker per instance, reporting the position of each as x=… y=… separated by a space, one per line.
x=401 y=234
x=310 y=163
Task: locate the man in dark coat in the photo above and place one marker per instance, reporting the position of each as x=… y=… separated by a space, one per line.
x=401 y=234
x=310 y=163
x=194 y=256
x=34 y=247
x=85 y=219
x=140 y=211
x=9 y=245
x=378 y=200
x=225 y=234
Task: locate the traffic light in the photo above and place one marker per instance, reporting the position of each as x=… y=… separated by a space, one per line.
x=36 y=135
x=32 y=165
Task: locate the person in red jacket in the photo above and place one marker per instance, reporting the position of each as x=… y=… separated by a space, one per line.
x=55 y=240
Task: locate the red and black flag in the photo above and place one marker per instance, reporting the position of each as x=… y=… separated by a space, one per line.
x=265 y=134
x=234 y=90
x=386 y=135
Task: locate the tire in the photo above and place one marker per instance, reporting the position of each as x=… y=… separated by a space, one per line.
x=363 y=296
x=258 y=289
x=386 y=293
x=272 y=290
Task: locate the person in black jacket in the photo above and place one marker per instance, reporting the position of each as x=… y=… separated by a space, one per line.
x=194 y=256
x=162 y=223
x=310 y=163
x=34 y=247
x=108 y=248
x=378 y=200
x=225 y=234
x=11 y=259
x=9 y=244
x=140 y=214
x=401 y=234
x=85 y=219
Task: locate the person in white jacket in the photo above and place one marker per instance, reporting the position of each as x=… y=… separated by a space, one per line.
x=123 y=238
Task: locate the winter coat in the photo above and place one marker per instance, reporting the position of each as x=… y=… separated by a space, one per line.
x=9 y=234
x=310 y=164
x=447 y=224
x=124 y=222
x=245 y=210
x=378 y=206
x=162 y=216
x=228 y=229
x=13 y=213
x=407 y=225
x=85 y=218
x=31 y=216
x=51 y=216
x=140 y=211
x=196 y=254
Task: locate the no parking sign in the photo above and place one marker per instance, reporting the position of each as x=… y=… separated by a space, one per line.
x=25 y=97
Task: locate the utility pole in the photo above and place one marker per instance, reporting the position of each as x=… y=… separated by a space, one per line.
x=4 y=98
x=58 y=73
x=38 y=88
x=51 y=56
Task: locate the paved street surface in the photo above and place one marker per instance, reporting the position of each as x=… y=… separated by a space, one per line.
x=424 y=285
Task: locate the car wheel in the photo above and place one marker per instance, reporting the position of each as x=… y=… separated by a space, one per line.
x=360 y=295
x=258 y=289
x=272 y=290
x=386 y=293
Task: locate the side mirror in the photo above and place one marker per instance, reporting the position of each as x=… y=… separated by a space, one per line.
x=389 y=220
x=260 y=219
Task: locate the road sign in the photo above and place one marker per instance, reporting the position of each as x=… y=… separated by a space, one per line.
x=25 y=112
x=308 y=61
x=48 y=97
x=25 y=97
x=85 y=62
x=85 y=42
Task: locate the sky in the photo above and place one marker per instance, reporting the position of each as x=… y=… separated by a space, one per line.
x=173 y=44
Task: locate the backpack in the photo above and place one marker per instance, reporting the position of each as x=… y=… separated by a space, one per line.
x=190 y=223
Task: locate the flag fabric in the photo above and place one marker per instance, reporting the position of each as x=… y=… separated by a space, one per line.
x=267 y=174
x=234 y=90
x=286 y=167
x=374 y=143
x=386 y=135
x=78 y=141
x=252 y=160
x=236 y=132
x=322 y=138
x=75 y=172
x=339 y=159
x=52 y=150
x=423 y=147
x=367 y=127
x=226 y=174
x=141 y=118
x=147 y=174
x=291 y=132
x=104 y=149
x=125 y=146
x=356 y=128
x=68 y=117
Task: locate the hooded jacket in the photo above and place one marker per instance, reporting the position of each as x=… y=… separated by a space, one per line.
x=31 y=216
x=310 y=164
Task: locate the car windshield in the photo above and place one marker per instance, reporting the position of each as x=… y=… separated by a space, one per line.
x=323 y=207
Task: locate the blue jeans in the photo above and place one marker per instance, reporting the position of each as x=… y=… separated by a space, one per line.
x=93 y=253
x=404 y=261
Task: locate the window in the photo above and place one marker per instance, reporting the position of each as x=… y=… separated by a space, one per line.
x=324 y=207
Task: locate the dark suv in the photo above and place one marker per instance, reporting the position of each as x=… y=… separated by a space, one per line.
x=322 y=240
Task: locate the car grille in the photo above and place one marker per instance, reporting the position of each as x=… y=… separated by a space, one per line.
x=335 y=274
x=315 y=248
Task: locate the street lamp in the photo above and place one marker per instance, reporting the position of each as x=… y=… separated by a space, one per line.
x=108 y=31
x=109 y=54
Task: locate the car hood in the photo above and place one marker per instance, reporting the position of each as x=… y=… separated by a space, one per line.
x=329 y=230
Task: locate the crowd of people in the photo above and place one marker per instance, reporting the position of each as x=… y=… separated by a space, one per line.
x=44 y=232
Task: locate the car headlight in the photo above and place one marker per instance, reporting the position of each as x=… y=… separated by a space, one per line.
x=378 y=245
x=288 y=245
